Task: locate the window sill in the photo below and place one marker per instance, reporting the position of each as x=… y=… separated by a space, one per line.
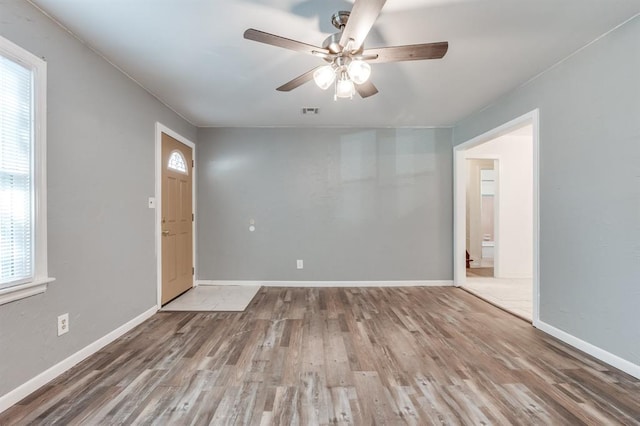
x=22 y=291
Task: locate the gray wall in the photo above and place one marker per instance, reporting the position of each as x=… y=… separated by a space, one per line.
x=589 y=188
x=100 y=173
x=354 y=204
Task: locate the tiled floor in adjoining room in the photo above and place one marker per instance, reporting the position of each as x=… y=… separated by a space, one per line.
x=213 y=298
x=513 y=295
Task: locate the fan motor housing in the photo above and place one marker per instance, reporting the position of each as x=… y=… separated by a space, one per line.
x=333 y=43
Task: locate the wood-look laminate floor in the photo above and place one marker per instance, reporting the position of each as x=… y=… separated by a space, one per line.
x=337 y=356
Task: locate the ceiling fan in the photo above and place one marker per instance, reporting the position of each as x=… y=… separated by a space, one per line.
x=348 y=68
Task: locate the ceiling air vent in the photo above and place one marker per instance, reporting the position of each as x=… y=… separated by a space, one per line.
x=310 y=111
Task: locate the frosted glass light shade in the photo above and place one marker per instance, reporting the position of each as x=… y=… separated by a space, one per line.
x=359 y=71
x=324 y=77
x=345 y=89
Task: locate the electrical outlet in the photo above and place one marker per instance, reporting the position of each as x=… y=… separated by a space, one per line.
x=299 y=264
x=63 y=324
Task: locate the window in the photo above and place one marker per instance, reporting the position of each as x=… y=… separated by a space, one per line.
x=177 y=162
x=23 y=233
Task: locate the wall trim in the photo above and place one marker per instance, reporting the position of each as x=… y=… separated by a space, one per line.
x=402 y=283
x=23 y=291
x=16 y=395
x=515 y=277
x=595 y=351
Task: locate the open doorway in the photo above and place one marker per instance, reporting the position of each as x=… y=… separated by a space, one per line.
x=497 y=216
x=481 y=216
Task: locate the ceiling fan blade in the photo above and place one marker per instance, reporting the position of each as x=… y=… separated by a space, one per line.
x=413 y=52
x=366 y=89
x=362 y=17
x=274 y=40
x=298 y=81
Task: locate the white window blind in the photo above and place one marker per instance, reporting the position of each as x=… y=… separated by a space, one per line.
x=16 y=173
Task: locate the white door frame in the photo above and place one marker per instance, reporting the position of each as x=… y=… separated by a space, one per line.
x=459 y=201
x=160 y=129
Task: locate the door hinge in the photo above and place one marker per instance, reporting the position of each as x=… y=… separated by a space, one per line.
x=193 y=270
x=193 y=217
x=193 y=163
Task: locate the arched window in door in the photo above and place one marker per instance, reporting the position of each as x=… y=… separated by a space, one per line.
x=177 y=162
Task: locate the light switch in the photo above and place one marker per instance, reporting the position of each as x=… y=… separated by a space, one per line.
x=152 y=202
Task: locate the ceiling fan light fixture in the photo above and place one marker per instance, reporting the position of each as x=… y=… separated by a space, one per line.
x=344 y=51
x=344 y=88
x=324 y=77
x=359 y=71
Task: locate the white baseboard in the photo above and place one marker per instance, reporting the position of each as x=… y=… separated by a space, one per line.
x=14 y=396
x=604 y=356
x=515 y=276
x=411 y=283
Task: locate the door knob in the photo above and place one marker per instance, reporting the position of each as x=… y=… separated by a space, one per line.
x=165 y=233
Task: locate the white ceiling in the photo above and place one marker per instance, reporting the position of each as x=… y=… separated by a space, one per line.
x=192 y=56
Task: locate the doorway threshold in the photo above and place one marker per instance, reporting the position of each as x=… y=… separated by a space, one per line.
x=511 y=295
